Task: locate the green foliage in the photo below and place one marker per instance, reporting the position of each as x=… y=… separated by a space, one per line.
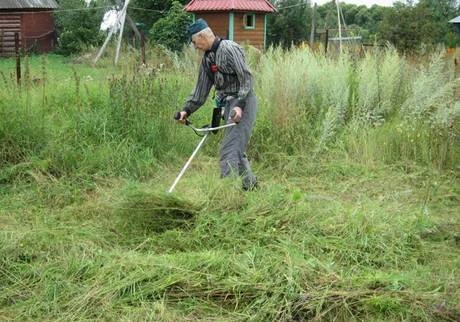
x=381 y=86
x=431 y=99
x=78 y=27
x=407 y=27
x=170 y=30
x=291 y=24
x=150 y=11
x=443 y=10
x=360 y=19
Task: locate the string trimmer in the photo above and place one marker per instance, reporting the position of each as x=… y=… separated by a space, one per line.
x=202 y=132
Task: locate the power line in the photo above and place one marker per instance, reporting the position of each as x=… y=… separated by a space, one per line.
x=52 y=11
x=81 y=9
x=294 y=5
x=144 y=9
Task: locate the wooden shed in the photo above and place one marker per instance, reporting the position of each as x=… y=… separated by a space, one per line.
x=243 y=21
x=32 y=20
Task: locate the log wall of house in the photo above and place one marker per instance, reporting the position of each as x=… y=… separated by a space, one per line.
x=254 y=37
x=35 y=28
x=9 y=25
x=218 y=21
x=38 y=31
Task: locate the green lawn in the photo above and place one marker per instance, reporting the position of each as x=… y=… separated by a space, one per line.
x=58 y=68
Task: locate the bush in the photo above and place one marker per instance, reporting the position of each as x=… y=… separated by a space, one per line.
x=170 y=30
x=78 y=29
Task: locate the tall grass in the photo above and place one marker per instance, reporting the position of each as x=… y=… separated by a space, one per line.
x=119 y=124
x=308 y=101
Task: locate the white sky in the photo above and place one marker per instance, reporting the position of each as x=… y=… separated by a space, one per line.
x=368 y=3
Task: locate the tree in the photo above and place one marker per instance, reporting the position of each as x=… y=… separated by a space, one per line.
x=78 y=29
x=410 y=24
x=407 y=27
x=362 y=20
x=149 y=11
x=291 y=25
x=170 y=31
x=443 y=11
x=327 y=16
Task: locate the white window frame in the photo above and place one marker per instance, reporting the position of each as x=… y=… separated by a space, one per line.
x=245 y=20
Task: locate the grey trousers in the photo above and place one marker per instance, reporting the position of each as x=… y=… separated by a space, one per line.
x=233 y=159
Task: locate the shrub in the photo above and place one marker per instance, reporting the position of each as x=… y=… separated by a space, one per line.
x=170 y=30
x=78 y=29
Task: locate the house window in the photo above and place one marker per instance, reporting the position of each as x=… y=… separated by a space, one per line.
x=249 y=21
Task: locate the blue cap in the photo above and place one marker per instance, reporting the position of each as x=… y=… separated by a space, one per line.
x=196 y=27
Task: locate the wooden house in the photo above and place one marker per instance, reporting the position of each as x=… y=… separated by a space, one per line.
x=243 y=21
x=32 y=20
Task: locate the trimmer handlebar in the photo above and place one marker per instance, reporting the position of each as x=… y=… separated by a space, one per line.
x=203 y=132
x=187 y=122
x=205 y=129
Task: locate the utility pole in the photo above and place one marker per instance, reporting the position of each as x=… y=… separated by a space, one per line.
x=99 y=54
x=313 y=23
x=123 y=19
x=122 y=16
x=340 y=26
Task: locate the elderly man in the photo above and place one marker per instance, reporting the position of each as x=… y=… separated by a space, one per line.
x=223 y=65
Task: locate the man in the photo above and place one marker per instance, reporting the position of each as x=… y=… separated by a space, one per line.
x=224 y=66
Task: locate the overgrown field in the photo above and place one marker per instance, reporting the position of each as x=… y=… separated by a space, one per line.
x=356 y=217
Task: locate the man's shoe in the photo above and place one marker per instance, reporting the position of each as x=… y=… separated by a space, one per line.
x=251 y=186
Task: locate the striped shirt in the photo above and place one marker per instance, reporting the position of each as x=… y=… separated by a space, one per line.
x=230 y=75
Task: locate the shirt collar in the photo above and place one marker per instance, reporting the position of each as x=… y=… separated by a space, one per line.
x=215 y=44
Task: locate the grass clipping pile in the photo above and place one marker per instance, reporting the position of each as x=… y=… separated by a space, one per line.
x=155 y=211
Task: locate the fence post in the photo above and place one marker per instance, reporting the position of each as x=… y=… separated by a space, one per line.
x=18 y=58
x=1 y=41
x=326 y=41
x=313 y=26
x=457 y=70
x=143 y=47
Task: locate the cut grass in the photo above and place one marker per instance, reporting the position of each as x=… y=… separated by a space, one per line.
x=347 y=243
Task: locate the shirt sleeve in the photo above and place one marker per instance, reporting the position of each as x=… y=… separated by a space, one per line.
x=201 y=91
x=238 y=63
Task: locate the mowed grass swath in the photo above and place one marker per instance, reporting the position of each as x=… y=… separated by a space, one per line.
x=356 y=217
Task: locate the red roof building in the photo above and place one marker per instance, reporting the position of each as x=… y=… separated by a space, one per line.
x=243 y=21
